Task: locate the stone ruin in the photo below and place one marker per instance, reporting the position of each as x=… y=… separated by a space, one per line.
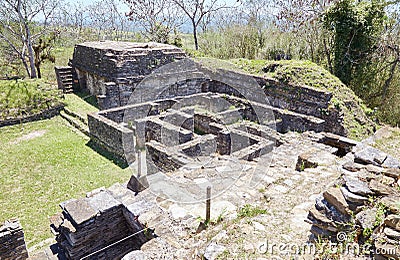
x=111 y=70
x=364 y=203
x=185 y=126
x=12 y=243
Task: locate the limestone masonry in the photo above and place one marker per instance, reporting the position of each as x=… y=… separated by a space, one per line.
x=183 y=126
x=111 y=70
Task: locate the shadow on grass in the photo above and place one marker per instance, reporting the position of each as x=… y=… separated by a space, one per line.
x=88 y=98
x=110 y=156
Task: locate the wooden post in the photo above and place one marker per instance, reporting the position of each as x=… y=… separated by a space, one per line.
x=139 y=171
x=208 y=205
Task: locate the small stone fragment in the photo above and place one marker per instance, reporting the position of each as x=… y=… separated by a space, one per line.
x=350 y=166
x=135 y=255
x=213 y=250
x=357 y=186
x=393 y=221
x=335 y=197
x=320 y=220
x=367 y=218
x=351 y=197
x=303 y=161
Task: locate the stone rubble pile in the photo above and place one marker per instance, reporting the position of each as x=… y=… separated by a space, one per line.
x=364 y=203
x=12 y=243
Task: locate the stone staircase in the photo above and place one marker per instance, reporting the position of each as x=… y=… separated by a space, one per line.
x=75 y=120
x=65 y=78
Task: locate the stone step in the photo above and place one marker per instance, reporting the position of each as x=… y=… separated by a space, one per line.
x=73 y=114
x=291 y=121
x=65 y=72
x=67 y=78
x=76 y=123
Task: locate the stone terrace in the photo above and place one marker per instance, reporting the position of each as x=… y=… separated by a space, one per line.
x=190 y=128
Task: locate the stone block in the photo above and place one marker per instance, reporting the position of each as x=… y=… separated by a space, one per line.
x=79 y=210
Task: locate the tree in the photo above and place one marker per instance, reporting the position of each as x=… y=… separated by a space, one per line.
x=357 y=28
x=158 y=18
x=197 y=11
x=301 y=20
x=43 y=51
x=17 y=19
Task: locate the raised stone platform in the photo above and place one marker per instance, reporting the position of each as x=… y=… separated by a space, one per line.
x=111 y=70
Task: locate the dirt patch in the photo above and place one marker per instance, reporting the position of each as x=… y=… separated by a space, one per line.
x=29 y=136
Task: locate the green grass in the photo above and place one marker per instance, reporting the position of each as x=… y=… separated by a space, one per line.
x=37 y=174
x=25 y=97
x=77 y=105
x=250 y=211
x=62 y=54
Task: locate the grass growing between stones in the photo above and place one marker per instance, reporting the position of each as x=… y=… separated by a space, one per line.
x=42 y=164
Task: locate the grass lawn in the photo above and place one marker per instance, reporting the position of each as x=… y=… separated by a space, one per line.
x=25 y=97
x=42 y=164
x=77 y=105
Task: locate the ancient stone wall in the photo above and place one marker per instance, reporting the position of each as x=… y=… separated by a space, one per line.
x=48 y=113
x=111 y=70
x=114 y=137
x=96 y=226
x=12 y=243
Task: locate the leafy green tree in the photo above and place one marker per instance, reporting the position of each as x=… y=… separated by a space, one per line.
x=357 y=27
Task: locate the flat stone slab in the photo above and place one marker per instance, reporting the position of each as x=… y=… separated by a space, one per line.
x=392 y=233
x=370 y=155
x=357 y=186
x=103 y=201
x=80 y=210
x=392 y=202
x=380 y=188
x=391 y=162
x=335 y=197
x=393 y=221
x=352 y=197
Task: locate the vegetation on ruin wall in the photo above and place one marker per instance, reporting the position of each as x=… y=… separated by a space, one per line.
x=42 y=164
x=20 y=98
x=307 y=73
